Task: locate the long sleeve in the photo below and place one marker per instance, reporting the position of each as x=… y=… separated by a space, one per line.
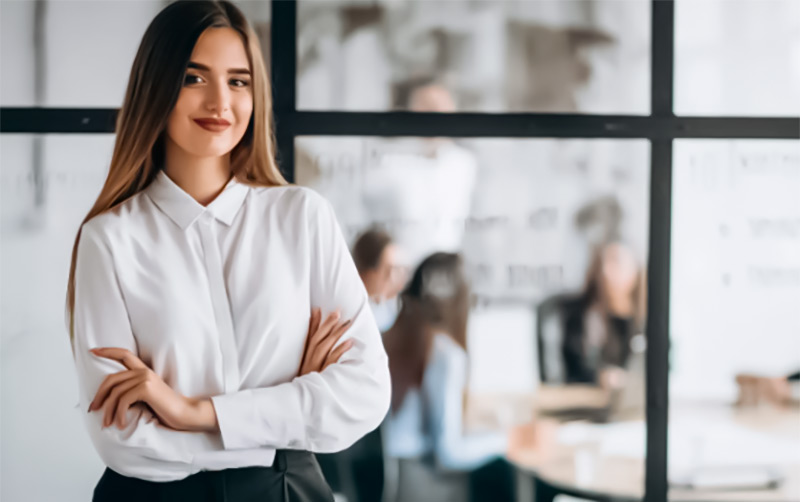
x=444 y=385
x=143 y=449
x=327 y=411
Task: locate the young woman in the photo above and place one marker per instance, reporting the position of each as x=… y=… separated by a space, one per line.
x=428 y=361
x=199 y=283
x=598 y=325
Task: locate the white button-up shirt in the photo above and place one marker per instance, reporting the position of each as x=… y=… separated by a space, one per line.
x=216 y=300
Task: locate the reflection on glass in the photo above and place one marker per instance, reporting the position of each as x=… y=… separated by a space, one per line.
x=737 y=58
x=544 y=56
x=734 y=415
x=553 y=234
x=84 y=53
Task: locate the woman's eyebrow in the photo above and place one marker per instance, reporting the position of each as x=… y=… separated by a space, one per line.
x=202 y=67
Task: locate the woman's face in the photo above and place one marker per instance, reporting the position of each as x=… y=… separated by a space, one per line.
x=387 y=279
x=619 y=269
x=216 y=100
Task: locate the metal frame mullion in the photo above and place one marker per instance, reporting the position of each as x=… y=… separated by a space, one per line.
x=658 y=268
x=485 y=125
x=284 y=81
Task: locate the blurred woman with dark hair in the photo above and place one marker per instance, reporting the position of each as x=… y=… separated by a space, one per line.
x=427 y=349
x=600 y=323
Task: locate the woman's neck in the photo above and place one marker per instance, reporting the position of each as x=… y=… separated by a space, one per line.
x=620 y=305
x=203 y=178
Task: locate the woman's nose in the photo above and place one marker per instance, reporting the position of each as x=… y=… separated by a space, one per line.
x=218 y=98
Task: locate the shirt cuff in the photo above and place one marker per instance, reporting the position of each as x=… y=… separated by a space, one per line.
x=236 y=414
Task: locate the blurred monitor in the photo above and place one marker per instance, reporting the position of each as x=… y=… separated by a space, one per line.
x=502 y=349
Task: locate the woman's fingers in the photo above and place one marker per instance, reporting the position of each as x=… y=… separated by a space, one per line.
x=108 y=383
x=330 y=341
x=327 y=326
x=326 y=332
x=123 y=356
x=110 y=405
x=322 y=338
x=127 y=399
x=316 y=319
x=338 y=352
x=317 y=331
x=322 y=331
x=313 y=325
x=326 y=350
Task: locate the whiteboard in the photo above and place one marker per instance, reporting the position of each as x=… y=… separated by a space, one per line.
x=735 y=270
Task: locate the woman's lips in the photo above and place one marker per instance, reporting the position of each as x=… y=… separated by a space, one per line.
x=213 y=125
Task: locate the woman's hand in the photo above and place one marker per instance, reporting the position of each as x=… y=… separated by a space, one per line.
x=532 y=441
x=612 y=378
x=139 y=383
x=322 y=337
x=756 y=389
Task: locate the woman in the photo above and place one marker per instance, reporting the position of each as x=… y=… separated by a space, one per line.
x=427 y=349
x=599 y=324
x=198 y=286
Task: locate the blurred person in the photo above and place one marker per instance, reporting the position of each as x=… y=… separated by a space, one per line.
x=421 y=188
x=198 y=285
x=598 y=325
x=377 y=259
x=424 y=432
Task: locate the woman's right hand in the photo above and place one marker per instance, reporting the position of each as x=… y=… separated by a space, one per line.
x=532 y=440
x=319 y=350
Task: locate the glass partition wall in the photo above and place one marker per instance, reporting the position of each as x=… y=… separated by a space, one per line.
x=542 y=140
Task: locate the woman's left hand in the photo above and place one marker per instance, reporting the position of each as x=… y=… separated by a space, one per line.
x=139 y=383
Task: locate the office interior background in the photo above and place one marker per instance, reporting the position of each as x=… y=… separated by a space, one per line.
x=546 y=129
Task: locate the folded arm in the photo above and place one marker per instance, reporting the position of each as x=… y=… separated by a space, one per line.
x=321 y=411
x=143 y=448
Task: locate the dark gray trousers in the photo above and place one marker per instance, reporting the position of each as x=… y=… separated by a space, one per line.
x=295 y=476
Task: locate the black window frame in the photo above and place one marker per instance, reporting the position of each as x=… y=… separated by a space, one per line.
x=661 y=127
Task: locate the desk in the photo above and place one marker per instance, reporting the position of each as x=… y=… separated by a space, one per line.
x=499 y=411
x=587 y=467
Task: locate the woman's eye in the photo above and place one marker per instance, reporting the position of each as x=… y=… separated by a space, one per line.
x=191 y=79
x=239 y=83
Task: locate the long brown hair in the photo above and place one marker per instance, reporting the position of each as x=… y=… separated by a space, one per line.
x=155 y=82
x=435 y=300
x=594 y=296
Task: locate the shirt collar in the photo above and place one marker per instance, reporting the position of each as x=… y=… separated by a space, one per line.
x=183 y=209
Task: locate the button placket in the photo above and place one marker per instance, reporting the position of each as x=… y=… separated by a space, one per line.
x=219 y=300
